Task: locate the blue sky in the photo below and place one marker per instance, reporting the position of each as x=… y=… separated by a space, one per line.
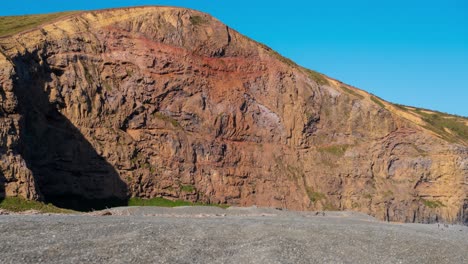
x=409 y=52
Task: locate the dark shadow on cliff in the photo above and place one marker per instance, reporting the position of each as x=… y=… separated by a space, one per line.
x=2 y=186
x=67 y=169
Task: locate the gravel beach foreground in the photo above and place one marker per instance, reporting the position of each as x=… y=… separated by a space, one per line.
x=215 y=235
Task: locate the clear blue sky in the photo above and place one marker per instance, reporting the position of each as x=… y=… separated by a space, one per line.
x=411 y=52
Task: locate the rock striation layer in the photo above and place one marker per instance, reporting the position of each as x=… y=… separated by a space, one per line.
x=169 y=102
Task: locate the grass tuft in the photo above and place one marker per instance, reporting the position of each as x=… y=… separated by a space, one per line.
x=317 y=77
x=314 y=196
x=330 y=207
x=388 y=194
x=401 y=107
x=17 y=204
x=167 y=118
x=433 y=204
x=107 y=86
x=158 y=201
x=337 y=150
x=188 y=188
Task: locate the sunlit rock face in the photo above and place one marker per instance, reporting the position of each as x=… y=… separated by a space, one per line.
x=168 y=102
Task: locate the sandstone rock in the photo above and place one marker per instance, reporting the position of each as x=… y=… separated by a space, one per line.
x=160 y=101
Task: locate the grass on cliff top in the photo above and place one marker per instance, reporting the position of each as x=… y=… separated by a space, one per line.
x=452 y=128
x=316 y=76
x=158 y=201
x=439 y=122
x=17 y=204
x=10 y=25
x=377 y=101
x=354 y=93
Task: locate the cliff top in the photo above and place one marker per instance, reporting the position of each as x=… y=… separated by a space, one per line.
x=10 y=25
x=451 y=128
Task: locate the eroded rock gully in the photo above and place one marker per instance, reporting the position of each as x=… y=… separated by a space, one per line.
x=170 y=102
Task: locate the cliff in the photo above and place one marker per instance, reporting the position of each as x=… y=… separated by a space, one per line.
x=168 y=102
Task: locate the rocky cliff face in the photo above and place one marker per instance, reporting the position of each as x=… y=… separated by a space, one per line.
x=157 y=101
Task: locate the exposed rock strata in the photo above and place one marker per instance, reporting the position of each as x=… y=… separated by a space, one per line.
x=170 y=102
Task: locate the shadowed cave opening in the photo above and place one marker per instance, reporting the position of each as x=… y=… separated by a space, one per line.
x=67 y=169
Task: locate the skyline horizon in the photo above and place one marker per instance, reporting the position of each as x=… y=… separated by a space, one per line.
x=433 y=80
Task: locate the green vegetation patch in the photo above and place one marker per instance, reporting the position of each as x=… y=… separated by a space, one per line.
x=158 y=201
x=314 y=196
x=188 y=188
x=10 y=25
x=330 y=207
x=167 y=118
x=317 y=77
x=276 y=54
x=377 y=101
x=17 y=204
x=198 y=20
x=388 y=194
x=107 y=86
x=401 y=107
x=351 y=92
x=337 y=150
x=283 y=59
x=291 y=171
x=439 y=122
x=294 y=172
x=433 y=204
x=88 y=76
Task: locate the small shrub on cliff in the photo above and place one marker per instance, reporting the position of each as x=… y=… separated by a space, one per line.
x=198 y=20
x=167 y=118
x=314 y=196
x=330 y=207
x=187 y=188
x=337 y=150
x=433 y=204
x=388 y=194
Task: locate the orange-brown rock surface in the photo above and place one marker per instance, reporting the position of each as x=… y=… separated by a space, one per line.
x=159 y=101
